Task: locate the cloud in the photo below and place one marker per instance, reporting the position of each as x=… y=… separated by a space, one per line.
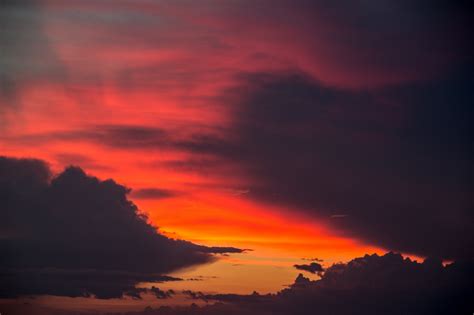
x=312 y=259
x=372 y=284
x=152 y=193
x=116 y=136
x=196 y=295
x=312 y=268
x=160 y=294
x=56 y=232
x=385 y=159
x=130 y=137
x=364 y=162
x=347 y=44
x=102 y=284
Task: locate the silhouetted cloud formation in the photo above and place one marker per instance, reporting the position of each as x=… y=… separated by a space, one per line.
x=75 y=235
x=372 y=284
x=389 y=158
x=311 y=267
x=161 y=294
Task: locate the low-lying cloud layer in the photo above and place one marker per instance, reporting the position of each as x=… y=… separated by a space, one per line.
x=372 y=284
x=75 y=235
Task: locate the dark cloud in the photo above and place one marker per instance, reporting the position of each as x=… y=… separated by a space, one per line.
x=372 y=284
x=136 y=293
x=397 y=162
x=76 y=235
x=311 y=267
x=196 y=295
x=223 y=250
x=121 y=136
x=103 y=284
x=118 y=136
x=313 y=259
x=161 y=294
x=152 y=193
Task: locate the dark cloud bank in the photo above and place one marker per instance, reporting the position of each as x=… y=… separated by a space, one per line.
x=371 y=284
x=391 y=165
x=396 y=162
x=75 y=235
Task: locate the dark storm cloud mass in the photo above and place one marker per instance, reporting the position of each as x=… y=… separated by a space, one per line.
x=396 y=161
x=392 y=164
x=371 y=284
x=75 y=235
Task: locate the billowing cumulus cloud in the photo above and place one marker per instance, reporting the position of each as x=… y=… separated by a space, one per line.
x=75 y=235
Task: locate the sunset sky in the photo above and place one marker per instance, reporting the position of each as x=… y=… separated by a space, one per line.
x=273 y=133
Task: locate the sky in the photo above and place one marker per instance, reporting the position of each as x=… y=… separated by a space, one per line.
x=160 y=152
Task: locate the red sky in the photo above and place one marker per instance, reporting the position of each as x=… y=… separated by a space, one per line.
x=127 y=91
